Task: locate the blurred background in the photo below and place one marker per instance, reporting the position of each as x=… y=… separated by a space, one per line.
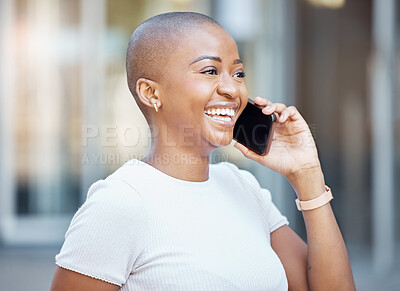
x=67 y=118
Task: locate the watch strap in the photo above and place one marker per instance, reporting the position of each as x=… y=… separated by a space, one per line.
x=316 y=202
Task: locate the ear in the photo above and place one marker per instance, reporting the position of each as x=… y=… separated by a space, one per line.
x=148 y=93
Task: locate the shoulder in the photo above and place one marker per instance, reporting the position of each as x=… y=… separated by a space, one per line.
x=107 y=233
x=110 y=202
x=242 y=176
x=113 y=194
x=111 y=205
x=246 y=181
x=116 y=187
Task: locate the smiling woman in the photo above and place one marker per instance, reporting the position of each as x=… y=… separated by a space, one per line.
x=196 y=73
x=172 y=221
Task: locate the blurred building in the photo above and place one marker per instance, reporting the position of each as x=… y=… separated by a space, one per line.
x=67 y=118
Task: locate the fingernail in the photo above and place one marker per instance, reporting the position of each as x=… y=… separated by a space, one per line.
x=282 y=118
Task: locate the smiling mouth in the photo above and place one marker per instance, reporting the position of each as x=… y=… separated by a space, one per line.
x=220 y=114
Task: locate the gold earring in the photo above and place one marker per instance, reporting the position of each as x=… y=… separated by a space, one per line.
x=155 y=107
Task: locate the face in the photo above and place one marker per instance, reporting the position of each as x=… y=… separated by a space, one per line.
x=203 y=91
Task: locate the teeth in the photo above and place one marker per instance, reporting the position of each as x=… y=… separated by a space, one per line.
x=221 y=118
x=220 y=111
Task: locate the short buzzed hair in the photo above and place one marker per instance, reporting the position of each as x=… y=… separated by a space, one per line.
x=154 y=40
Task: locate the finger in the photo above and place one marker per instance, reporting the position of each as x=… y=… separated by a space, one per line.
x=289 y=112
x=274 y=107
x=262 y=101
x=246 y=152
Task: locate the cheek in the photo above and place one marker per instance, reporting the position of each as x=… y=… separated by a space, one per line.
x=243 y=98
x=185 y=102
x=190 y=96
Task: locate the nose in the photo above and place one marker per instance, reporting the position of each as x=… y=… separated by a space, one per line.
x=228 y=87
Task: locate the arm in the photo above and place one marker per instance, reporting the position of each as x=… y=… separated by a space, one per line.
x=292 y=251
x=66 y=280
x=328 y=263
x=323 y=264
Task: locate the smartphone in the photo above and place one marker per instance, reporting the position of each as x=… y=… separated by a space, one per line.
x=254 y=129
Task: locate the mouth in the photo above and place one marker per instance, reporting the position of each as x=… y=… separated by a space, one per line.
x=223 y=113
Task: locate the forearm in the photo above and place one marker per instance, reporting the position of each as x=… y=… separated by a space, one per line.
x=328 y=263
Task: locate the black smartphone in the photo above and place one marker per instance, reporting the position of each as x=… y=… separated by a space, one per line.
x=254 y=129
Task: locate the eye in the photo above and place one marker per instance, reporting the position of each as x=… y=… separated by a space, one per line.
x=240 y=74
x=211 y=71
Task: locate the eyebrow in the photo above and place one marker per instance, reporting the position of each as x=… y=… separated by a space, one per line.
x=217 y=59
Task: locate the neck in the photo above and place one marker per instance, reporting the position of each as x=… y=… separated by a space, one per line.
x=188 y=163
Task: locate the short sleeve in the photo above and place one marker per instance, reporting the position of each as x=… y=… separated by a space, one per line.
x=107 y=234
x=273 y=216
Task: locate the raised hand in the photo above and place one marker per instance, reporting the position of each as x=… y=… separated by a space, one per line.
x=293 y=148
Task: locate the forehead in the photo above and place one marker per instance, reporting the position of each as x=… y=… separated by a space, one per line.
x=206 y=39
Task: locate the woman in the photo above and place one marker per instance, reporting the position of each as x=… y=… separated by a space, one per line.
x=174 y=222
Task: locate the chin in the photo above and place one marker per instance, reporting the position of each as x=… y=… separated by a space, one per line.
x=222 y=140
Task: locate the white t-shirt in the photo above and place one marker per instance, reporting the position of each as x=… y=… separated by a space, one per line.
x=144 y=230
